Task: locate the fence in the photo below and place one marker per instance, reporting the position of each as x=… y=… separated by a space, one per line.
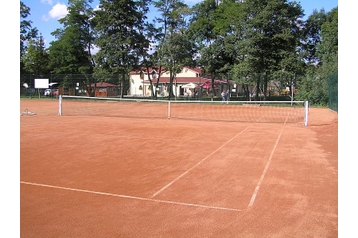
x=333 y=91
x=75 y=84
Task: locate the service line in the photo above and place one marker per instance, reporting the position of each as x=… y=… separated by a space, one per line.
x=131 y=197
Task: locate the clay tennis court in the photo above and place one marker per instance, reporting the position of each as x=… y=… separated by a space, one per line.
x=117 y=176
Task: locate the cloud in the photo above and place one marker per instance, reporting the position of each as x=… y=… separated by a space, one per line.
x=58 y=11
x=49 y=2
x=45 y=17
x=96 y=8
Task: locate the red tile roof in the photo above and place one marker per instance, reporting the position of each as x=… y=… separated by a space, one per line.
x=196 y=80
x=197 y=70
x=104 y=85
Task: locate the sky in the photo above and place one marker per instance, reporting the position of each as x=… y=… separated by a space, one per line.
x=45 y=13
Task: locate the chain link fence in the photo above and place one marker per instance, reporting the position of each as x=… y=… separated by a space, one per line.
x=333 y=91
x=71 y=84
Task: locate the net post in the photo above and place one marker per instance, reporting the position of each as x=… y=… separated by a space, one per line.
x=306 y=114
x=168 y=109
x=60 y=105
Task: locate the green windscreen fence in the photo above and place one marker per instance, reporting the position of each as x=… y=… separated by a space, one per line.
x=333 y=91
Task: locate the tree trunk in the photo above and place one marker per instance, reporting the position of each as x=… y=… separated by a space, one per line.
x=171 y=76
x=265 y=77
x=257 y=87
x=246 y=91
x=122 y=85
x=212 y=86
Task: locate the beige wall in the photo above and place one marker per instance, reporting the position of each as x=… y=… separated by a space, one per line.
x=136 y=84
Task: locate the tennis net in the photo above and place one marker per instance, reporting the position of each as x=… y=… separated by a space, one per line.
x=234 y=111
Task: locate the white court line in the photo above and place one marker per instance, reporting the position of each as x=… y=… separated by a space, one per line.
x=197 y=164
x=132 y=197
x=253 y=197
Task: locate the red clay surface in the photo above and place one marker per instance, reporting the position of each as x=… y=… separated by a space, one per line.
x=134 y=177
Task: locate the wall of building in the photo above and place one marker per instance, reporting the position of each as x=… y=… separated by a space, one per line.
x=138 y=87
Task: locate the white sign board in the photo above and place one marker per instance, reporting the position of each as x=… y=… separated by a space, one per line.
x=41 y=83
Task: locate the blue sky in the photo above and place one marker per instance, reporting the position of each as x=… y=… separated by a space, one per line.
x=45 y=13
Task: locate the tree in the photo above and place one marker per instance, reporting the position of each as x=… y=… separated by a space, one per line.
x=231 y=43
x=202 y=24
x=71 y=52
x=175 y=49
x=147 y=51
x=35 y=60
x=119 y=27
x=314 y=87
x=328 y=49
x=312 y=36
x=273 y=31
x=27 y=32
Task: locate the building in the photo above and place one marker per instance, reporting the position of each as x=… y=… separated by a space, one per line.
x=186 y=83
x=104 y=89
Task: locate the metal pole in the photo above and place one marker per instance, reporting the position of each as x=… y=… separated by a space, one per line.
x=292 y=90
x=306 y=114
x=168 y=109
x=291 y=94
x=60 y=105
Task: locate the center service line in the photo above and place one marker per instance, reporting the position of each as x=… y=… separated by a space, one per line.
x=196 y=165
x=266 y=167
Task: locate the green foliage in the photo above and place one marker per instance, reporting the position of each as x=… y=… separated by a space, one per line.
x=71 y=53
x=119 y=27
x=175 y=49
x=35 y=60
x=252 y=42
x=27 y=32
x=311 y=36
x=313 y=88
x=202 y=22
x=272 y=33
x=328 y=49
x=119 y=35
